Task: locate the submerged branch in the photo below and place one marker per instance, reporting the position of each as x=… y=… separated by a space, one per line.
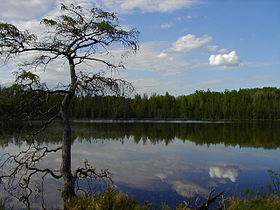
x=206 y=204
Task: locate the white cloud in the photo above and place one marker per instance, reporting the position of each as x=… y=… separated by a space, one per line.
x=128 y=6
x=161 y=176
x=230 y=59
x=125 y=27
x=190 y=42
x=212 y=47
x=230 y=172
x=16 y=10
x=215 y=48
x=151 y=59
x=163 y=54
x=165 y=26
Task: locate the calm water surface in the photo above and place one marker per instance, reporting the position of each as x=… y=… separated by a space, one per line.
x=165 y=162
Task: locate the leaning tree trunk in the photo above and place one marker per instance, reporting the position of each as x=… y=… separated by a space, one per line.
x=68 y=189
x=69 y=181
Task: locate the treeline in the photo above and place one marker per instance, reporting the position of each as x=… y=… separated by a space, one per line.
x=18 y=104
x=257 y=103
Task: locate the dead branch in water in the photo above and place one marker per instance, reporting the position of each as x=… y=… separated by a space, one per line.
x=206 y=204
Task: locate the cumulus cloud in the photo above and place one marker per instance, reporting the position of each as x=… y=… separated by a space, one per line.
x=163 y=63
x=190 y=42
x=161 y=60
x=230 y=172
x=16 y=10
x=128 y=6
x=230 y=59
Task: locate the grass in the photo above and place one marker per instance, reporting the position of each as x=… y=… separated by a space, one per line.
x=113 y=200
x=2 y=205
x=268 y=202
x=108 y=200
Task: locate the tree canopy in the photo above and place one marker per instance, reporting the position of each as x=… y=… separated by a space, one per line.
x=78 y=35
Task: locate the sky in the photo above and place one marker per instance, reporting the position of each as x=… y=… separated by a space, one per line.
x=185 y=45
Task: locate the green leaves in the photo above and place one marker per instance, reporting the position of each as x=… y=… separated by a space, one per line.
x=80 y=27
x=12 y=40
x=105 y=26
x=48 y=22
x=28 y=80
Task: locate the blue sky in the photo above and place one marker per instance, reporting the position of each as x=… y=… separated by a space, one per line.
x=185 y=45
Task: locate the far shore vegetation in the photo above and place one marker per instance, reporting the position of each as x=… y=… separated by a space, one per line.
x=243 y=104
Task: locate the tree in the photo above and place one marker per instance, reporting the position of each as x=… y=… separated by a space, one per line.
x=77 y=36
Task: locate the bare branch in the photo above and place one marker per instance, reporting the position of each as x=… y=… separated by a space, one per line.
x=82 y=58
x=97 y=84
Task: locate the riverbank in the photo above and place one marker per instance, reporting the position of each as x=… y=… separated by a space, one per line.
x=118 y=200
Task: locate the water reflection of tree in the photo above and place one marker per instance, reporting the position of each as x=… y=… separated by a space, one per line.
x=259 y=135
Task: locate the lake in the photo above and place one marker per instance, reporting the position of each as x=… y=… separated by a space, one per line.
x=163 y=162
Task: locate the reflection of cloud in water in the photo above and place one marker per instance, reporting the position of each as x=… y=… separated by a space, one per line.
x=161 y=176
x=230 y=172
x=145 y=167
x=183 y=188
x=188 y=189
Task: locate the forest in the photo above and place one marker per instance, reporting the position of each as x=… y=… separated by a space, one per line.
x=256 y=103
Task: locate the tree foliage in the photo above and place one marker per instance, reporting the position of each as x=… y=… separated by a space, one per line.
x=257 y=103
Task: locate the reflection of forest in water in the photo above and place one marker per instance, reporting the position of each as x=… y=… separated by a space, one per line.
x=244 y=134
